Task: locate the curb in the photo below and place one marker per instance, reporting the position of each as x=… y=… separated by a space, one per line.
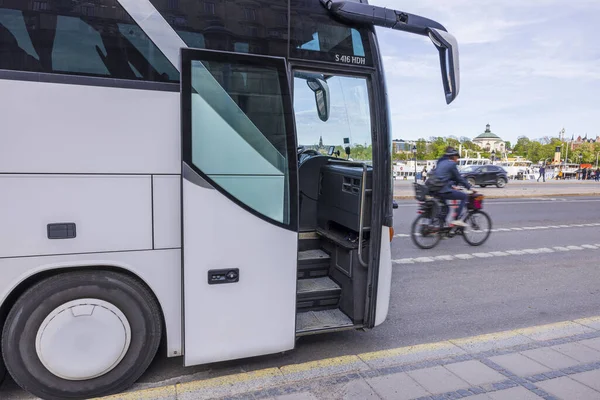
x=517 y=196
x=273 y=378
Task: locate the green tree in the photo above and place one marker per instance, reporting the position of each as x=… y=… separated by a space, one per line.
x=421 y=149
x=523 y=143
x=438 y=147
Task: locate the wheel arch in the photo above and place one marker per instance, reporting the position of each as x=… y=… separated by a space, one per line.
x=37 y=276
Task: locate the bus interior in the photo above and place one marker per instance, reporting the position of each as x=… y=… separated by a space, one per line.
x=334 y=217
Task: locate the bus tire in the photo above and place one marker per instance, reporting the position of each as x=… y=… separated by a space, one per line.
x=2 y=369
x=53 y=353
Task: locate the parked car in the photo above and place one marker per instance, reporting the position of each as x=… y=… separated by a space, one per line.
x=484 y=175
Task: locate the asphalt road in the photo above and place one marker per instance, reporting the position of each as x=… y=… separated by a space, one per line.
x=433 y=301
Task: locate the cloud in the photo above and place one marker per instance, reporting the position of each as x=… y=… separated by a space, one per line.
x=526 y=67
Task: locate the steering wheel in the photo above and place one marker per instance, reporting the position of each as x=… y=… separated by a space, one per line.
x=304 y=150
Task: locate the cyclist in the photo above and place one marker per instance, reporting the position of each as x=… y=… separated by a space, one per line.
x=448 y=176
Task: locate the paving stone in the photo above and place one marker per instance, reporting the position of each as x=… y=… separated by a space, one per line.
x=516 y=393
x=411 y=354
x=344 y=389
x=297 y=396
x=593 y=343
x=482 y=396
x=475 y=372
x=590 y=378
x=358 y=389
x=492 y=341
x=578 y=351
x=567 y=388
x=520 y=365
x=550 y=358
x=554 y=331
x=438 y=380
x=593 y=322
x=397 y=387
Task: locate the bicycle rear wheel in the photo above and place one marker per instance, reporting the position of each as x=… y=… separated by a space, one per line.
x=425 y=232
x=478 y=229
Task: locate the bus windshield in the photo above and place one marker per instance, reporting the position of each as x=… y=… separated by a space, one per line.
x=349 y=116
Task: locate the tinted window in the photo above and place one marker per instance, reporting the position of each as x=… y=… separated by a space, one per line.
x=238 y=132
x=257 y=26
x=315 y=35
x=95 y=38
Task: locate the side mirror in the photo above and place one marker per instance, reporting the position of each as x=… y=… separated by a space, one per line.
x=321 y=89
x=449 y=64
x=331 y=150
x=360 y=13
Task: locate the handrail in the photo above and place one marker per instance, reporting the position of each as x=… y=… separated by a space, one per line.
x=363 y=191
x=362 y=216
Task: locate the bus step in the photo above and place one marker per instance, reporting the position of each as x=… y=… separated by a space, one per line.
x=313 y=264
x=316 y=321
x=308 y=241
x=317 y=294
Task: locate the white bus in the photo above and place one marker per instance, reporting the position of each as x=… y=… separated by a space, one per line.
x=157 y=183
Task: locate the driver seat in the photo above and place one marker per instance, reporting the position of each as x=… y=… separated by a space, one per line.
x=309 y=182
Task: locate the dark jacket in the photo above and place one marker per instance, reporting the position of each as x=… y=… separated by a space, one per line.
x=447 y=171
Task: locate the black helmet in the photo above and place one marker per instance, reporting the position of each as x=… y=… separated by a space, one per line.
x=451 y=152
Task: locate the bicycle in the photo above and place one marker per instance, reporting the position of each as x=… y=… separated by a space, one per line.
x=430 y=224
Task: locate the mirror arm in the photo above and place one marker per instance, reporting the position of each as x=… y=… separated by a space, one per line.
x=360 y=13
x=380 y=16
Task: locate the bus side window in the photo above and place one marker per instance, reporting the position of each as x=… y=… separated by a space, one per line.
x=98 y=39
x=16 y=49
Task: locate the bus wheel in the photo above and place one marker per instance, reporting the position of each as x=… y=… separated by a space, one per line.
x=81 y=334
x=2 y=369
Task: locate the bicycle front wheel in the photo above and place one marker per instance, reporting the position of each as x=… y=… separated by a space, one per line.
x=425 y=232
x=478 y=229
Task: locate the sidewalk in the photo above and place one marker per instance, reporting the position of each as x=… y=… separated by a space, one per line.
x=556 y=361
x=516 y=189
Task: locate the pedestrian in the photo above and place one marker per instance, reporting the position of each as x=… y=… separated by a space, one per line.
x=542 y=173
x=424 y=174
x=597 y=176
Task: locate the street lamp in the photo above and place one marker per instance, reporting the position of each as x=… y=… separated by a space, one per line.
x=414 y=150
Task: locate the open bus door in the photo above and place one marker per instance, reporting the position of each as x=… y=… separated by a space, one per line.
x=239 y=206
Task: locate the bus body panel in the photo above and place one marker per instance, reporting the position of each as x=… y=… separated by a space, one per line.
x=251 y=317
x=166 y=201
x=77 y=129
x=384 y=279
x=108 y=213
x=159 y=269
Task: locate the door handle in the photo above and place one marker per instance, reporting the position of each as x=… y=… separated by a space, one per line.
x=220 y=276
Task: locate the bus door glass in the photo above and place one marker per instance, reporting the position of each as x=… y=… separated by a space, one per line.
x=239 y=198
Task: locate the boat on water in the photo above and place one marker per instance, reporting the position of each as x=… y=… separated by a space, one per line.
x=518 y=167
x=468 y=162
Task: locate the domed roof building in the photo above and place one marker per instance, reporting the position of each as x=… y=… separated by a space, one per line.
x=489 y=141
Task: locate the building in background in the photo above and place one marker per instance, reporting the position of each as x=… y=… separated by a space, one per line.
x=489 y=141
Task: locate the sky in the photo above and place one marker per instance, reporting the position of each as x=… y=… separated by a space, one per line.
x=527 y=68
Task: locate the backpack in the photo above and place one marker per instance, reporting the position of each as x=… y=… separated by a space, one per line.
x=434 y=183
